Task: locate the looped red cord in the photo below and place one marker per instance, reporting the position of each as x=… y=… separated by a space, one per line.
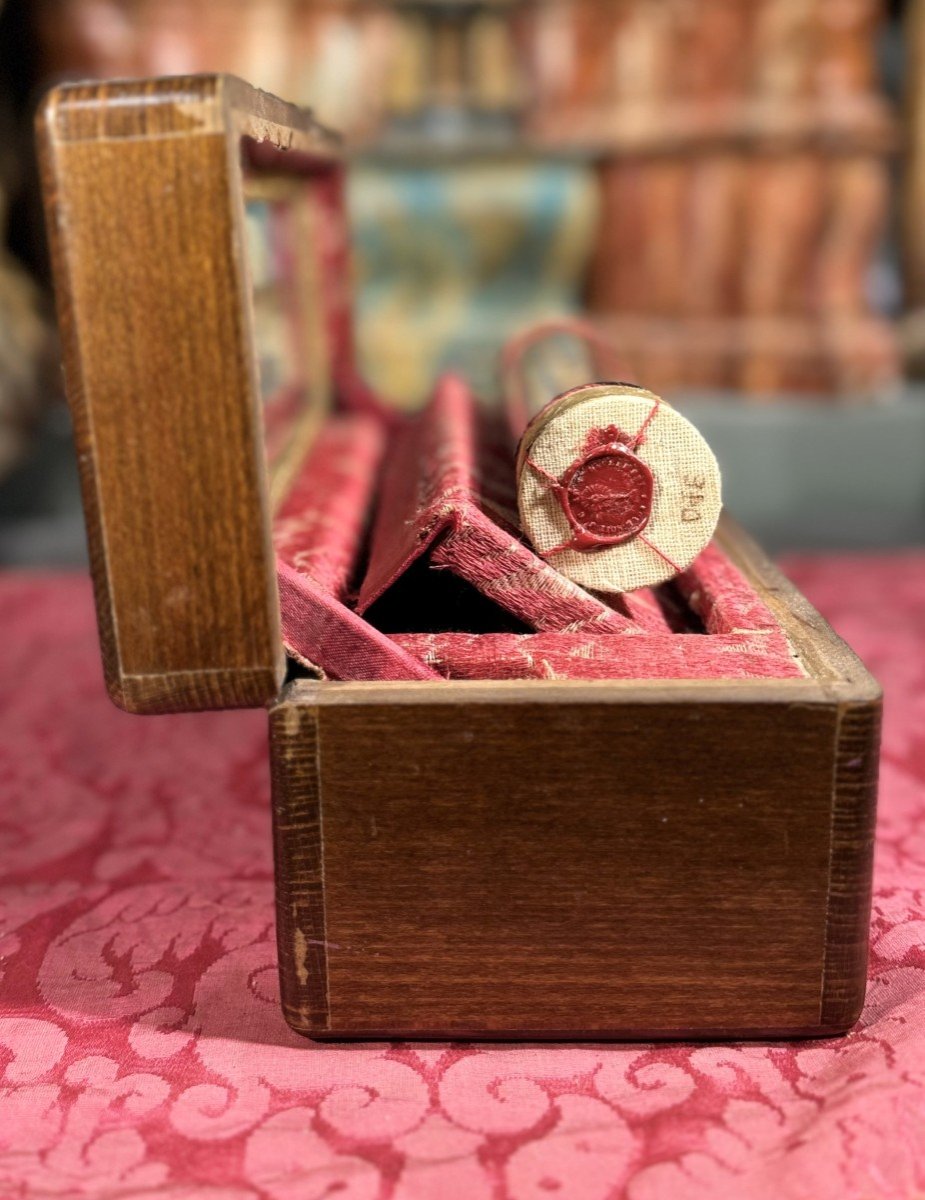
x=516 y=348
x=554 y=484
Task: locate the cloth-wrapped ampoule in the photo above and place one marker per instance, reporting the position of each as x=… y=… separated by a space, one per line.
x=615 y=487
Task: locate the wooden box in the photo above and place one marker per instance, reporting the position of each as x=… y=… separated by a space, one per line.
x=625 y=858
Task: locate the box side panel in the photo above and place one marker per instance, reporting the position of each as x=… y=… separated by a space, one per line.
x=854 y=815
x=153 y=308
x=563 y=870
x=297 y=851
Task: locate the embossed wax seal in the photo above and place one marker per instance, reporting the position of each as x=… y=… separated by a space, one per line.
x=616 y=488
x=606 y=494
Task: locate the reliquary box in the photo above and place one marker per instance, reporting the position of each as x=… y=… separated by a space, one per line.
x=503 y=808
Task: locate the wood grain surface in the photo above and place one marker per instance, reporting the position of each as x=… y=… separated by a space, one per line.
x=567 y=860
x=143 y=195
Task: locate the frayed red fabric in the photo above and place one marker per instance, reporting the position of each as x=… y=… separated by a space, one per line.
x=757 y=655
x=740 y=640
x=322 y=632
x=645 y=611
x=317 y=536
x=446 y=495
x=719 y=595
x=320 y=525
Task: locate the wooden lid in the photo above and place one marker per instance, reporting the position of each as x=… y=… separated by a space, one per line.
x=145 y=206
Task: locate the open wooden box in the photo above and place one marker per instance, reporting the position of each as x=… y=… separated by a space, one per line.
x=681 y=850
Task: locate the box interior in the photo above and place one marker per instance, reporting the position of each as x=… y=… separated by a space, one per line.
x=707 y=624
x=396 y=538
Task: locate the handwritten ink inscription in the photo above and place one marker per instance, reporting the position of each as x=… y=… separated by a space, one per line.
x=692 y=497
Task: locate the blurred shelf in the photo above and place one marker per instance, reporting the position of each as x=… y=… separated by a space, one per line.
x=798 y=475
x=811 y=475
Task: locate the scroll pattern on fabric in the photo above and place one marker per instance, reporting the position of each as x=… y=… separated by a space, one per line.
x=142 y=1050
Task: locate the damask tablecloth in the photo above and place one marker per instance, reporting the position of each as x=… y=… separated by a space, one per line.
x=142 y=1052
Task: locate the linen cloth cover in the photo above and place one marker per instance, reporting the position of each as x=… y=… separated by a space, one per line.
x=143 y=1053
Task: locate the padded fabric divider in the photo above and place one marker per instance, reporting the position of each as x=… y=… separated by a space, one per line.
x=589 y=656
x=318 y=534
x=448 y=497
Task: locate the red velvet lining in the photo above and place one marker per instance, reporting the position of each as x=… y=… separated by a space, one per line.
x=719 y=595
x=317 y=535
x=742 y=640
x=320 y=524
x=444 y=497
x=324 y=182
x=591 y=656
x=320 y=631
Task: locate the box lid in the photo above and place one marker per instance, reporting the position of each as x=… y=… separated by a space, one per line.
x=144 y=186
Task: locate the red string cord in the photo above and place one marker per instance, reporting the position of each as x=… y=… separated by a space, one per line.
x=661 y=553
x=641 y=435
x=548 y=479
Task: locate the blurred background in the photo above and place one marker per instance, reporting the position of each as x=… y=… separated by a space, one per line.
x=734 y=189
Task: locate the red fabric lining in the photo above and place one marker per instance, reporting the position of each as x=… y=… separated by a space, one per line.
x=317 y=535
x=325 y=181
x=334 y=253
x=322 y=632
x=584 y=656
x=742 y=640
x=281 y=411
x=319 y=527
x=721 y=597
x=645 y=611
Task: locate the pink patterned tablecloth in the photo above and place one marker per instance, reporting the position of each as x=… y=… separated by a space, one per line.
x=142 y=1052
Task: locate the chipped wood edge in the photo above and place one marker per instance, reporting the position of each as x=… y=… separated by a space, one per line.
x=184 y=106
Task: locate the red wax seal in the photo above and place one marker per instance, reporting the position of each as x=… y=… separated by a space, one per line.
x=606 y=496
